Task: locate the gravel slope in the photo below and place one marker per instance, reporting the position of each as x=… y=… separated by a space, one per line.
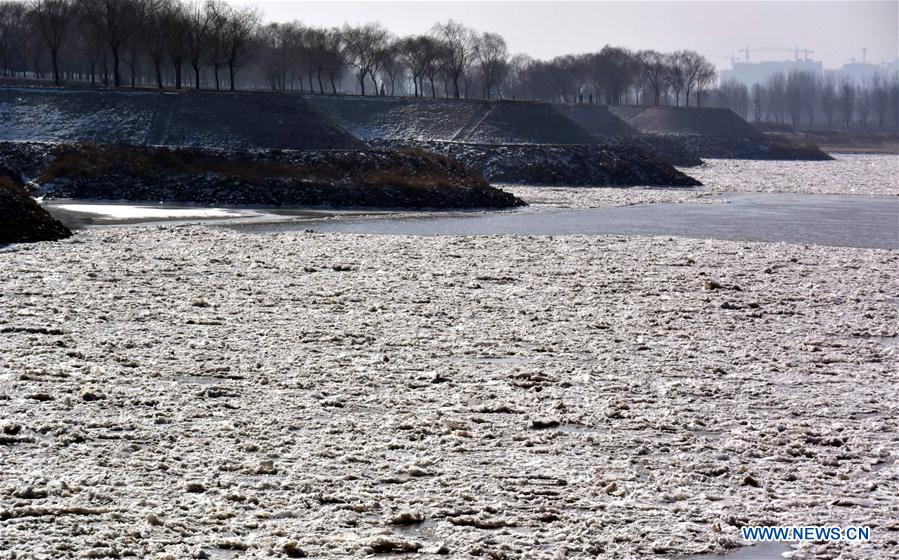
x=450 y=120
x=184 y=392
x=198 y=119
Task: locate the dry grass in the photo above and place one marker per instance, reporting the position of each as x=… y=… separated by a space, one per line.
x=414 y=168
x=87 y=161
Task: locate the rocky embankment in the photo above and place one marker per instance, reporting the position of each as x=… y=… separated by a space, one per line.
x=669 y=149
x=709 y=132
x=612 y=164
x=344 y=178
x=737 y=147
x=217 y=120
x=21 y=218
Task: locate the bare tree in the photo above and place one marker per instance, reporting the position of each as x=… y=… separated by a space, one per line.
x=274 y=46
x=460 y=42
x=846 y=102
x=777 y=96
x=176 y=23
x=52 y=18
x=677 y=75
x=218 y=14
x=414 y=52
x=492 y=56
x=434 y=57
x=705 y=76
x=758 y=93
x=153 y=38
x=655 y=69
x=363 y=47
x=829 y=98
x=319 y=43
x=199 y=22
x=240 y=26
x=117 y=21
x=12 y=25
x=693 y=70
x=389 y=67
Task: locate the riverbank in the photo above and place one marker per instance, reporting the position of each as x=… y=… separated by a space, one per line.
x=183 y=389
x=22 y=219
x=334 y=178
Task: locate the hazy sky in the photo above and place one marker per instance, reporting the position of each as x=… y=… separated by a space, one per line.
x=834 y=30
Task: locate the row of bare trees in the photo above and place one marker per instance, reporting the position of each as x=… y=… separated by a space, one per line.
x=617 y=76
x=208 y=43
x=157 y=41
x=808 y=100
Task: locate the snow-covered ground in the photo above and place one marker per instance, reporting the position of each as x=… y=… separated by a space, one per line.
x=192 y=391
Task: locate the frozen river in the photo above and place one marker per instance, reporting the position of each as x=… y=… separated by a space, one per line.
x=845 y=221
x=774 y=202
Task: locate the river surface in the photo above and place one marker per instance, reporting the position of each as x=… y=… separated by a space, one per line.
x=757 y=214
x=846 y=221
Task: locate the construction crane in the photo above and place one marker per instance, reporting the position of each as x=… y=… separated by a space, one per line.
x=795 y=51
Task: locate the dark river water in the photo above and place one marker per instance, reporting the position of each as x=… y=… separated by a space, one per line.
x=852 y=220
x=849 y=221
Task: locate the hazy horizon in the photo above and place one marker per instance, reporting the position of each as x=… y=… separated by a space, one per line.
x=836 y=31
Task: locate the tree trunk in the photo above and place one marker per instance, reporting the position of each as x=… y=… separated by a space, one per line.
x=197 y=75
x=231 y=75
x=55 y=56
x=215 y=70
x=362 y=82
x=158 y=68
x=116 y=79
x=321 y=86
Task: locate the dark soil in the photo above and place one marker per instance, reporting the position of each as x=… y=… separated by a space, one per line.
x=706 y=121
x=197 y=119
x=21 y=218
x=344 y=178
x=679 y=133
x=597 y=120
x=741 y=147
x=611 y=164
x=450 y=120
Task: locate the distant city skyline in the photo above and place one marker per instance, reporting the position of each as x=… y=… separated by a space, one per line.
x=835 y=31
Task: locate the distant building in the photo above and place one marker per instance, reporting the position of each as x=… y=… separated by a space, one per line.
x=856 y=72
x=751 y=73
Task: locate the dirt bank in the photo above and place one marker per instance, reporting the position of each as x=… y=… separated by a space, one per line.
x=712 y=133
x=617 y=163
x=347 y=178
x=196 y=119
x=21 y=218
x=450 y=120
x=705 y=121
x=598 y=120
